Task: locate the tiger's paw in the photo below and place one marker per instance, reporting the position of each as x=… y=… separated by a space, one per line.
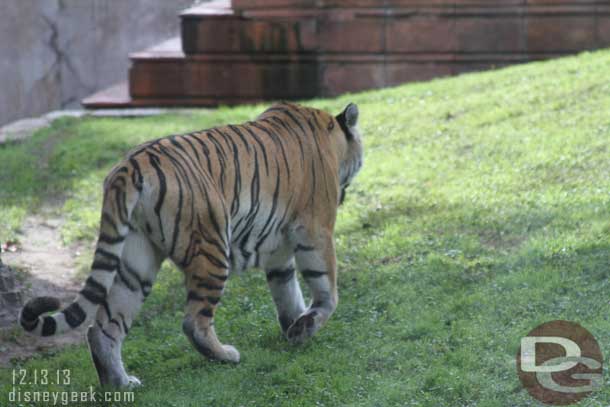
x=230 y=354
x=286 y=322
x=303 y=328
x=133 y=382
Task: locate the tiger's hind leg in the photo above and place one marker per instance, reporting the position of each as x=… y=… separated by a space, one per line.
x=317 y=264
x=140 y=263
x=286 y=293
x=206 y=275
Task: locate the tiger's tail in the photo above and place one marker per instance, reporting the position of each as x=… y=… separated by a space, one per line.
x=121 y=194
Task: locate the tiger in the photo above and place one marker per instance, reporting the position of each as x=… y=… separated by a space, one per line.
x=263 y=194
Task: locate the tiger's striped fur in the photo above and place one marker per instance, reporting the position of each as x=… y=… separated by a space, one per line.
x=261 y=194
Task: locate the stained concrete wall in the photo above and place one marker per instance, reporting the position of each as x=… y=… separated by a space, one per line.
x=55 y=52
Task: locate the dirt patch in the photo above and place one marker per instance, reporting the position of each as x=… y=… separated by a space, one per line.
x=42 y=265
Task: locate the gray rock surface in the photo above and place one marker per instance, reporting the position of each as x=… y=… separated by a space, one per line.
x=11 y=299
x=55 y=52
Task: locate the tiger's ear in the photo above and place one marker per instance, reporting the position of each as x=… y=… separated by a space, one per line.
x=348 y=119
x=350 y=115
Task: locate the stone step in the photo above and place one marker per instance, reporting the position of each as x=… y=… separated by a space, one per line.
x=270 y=4
x=493 y=26
x=118 y=97
x=242 y=52
x=233 y=76
x=165 y=76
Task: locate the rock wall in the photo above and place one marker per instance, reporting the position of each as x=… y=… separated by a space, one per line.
x=11 y=299
x=55 y=52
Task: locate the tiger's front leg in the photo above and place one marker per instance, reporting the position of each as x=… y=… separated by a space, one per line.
x=286 y=293
x=316 y=262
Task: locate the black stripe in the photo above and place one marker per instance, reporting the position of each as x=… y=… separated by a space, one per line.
x=213 y=300
x=49 y=326
x=237 y=185
x=281 y=276
x=107 y=310
x=213 y=259
x=260 y=144
x=219 y=277
x=93 y=291
x=319 y=303
x=121 y=278
x=209 y=286
x=107 y=218
x=199 y=180
x=215 y=224
x=110 y=239
x=313 y=183
x=320 y=157
x=125 y=327
x=104 y=253
x=206 y=152
x=278 y=142
x=29 y=314
x=133 y=273
x=342 y=197
x=74 y=315
x=274 y=204
x=208 y=238
x=313 y=273
x=188 y=327
x=294 y=119
x=304 y=248
x=98 y=265
x=114 y=321
x=119 y=197
x=222 y=158
x=154 y=161
x=236 y=130
x=207 y=312
x=106 y=334
x=193 y=296
x=190 y=143
x=254 y=207
x=136 y=176
x=29 y=325
x=36 y=307
x=280 y=223
x=189 y=166
x=291 y=131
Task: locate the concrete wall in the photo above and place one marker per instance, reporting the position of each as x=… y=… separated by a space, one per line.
x=55 y=52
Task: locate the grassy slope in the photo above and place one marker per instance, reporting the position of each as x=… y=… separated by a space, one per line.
x=482 y=211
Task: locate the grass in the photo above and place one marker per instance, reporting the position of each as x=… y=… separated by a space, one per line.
x=483 y=210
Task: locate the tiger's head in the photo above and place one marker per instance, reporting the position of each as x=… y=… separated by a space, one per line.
x=349 y=145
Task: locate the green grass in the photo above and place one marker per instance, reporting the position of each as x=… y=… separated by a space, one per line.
x=483 y=210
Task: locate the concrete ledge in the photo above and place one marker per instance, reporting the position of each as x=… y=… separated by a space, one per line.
x=25 y=128
x=22 y=129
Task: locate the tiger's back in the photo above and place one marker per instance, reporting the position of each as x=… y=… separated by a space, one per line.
x=252 y=180
x=261 y=194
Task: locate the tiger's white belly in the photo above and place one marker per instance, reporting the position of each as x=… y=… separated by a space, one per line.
x=275 y=252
